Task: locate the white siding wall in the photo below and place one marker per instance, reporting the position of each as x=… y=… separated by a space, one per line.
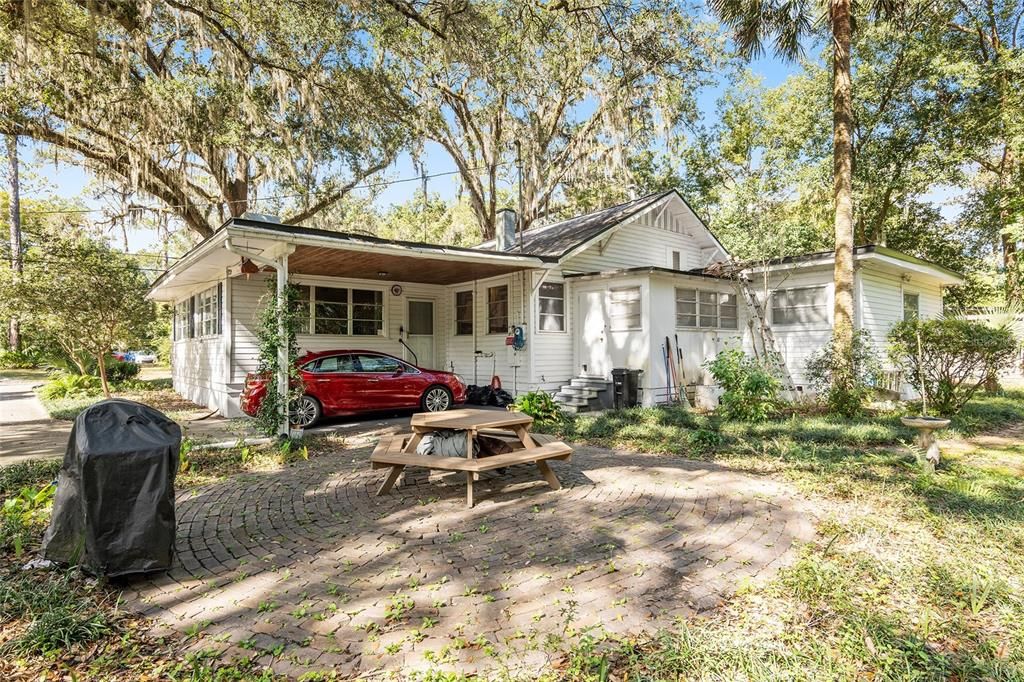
x=698 y=345
x=551 y=353
x=513 y=367
x=199 y=366
x=797 y=342
x=649 y=242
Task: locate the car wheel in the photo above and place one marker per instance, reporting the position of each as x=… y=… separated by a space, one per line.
x=436 y=399
x=305 y=411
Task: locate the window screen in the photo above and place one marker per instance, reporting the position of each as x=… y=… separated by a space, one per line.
x=911 y=306
x=367 y=312
x=421 y=318
x=686 y=307
x=625 y=310
x=807 y=305
x=330 y=310
x=551 y=300
x=708 y=308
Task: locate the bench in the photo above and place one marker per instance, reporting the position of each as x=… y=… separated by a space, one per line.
x=389 y=453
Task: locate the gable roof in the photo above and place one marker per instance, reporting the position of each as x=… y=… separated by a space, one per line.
x=558 y=240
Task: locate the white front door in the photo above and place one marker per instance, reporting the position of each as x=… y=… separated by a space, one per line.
x=592 y=341
x=420 y=333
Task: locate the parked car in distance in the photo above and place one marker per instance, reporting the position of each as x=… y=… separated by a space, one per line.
x=345 y=382
x=143 y=356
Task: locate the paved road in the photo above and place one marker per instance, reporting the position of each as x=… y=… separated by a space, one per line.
x=26 y=430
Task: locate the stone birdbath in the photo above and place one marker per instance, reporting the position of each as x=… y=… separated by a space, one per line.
x=926 y=428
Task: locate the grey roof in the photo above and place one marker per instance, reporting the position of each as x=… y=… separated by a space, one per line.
x=555 y=241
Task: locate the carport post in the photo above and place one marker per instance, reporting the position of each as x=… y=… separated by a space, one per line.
x=283 y=361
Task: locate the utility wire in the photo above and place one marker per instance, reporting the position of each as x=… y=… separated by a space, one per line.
x=229 y=202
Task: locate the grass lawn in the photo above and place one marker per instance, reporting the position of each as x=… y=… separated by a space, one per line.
x=910 y=577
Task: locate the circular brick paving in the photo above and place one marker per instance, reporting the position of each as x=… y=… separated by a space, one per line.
x=305 y=569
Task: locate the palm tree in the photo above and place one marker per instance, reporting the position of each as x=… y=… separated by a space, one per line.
x=787 y=22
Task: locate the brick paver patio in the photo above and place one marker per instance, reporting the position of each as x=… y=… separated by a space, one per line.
x=304 y=569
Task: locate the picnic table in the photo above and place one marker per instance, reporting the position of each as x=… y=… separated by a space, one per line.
x=399 y=451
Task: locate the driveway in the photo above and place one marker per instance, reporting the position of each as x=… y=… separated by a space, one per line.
x=26 y=430
x=306 y=570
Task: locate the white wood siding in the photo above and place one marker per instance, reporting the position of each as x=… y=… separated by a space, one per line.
x=649 y=241
x=551 y=353
x=797 y=342
x=513 y=367
x=199 y=365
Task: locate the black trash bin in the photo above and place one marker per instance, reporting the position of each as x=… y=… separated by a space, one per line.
x=113 y=513
x=626 y=387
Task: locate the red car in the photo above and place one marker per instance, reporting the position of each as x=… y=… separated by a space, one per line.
x=341 y=382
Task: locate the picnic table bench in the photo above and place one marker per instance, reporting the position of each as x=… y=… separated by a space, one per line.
x=399 y=451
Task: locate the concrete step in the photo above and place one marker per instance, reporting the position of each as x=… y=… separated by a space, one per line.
x=588 y=382
x=581 y=391
x=569 y=399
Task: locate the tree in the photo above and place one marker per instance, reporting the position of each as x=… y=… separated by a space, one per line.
x=982 y=89
x=85 y=295
x=570 y=91
x=787 y=24
x=14 y=229
x=200 y=106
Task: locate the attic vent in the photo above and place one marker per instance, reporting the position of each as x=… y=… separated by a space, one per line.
x=262 y=217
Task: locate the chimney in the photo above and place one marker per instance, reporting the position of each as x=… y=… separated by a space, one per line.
x=505 y=230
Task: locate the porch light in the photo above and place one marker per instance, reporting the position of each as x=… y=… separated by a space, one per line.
x=383 y=273
x=249 y=268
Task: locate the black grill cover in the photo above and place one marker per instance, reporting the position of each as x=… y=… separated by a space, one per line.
x=113 y=513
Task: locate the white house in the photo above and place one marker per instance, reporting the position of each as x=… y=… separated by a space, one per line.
x=600 y=291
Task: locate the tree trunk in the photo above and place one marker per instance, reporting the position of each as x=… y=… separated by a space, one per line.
x=14 y=331
x=101 y=363
x=842 y=119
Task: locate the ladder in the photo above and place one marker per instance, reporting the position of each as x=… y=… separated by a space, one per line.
x=769 y=346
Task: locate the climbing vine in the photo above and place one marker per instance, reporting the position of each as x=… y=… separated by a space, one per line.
x=270 y=413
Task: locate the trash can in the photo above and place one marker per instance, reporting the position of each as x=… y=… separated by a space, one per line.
x=625 y=387
x=113 y=513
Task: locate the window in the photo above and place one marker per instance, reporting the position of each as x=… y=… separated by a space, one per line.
x=182 y=320
x=330 y=310
x=378 y=364
x=705 y=309
x=497 y=310
x=340 y=311
x=676 y=260
x=807 y=305
x=625 y=310
x=727 y=314
x=686 y=307
x=367 y=312
x=209 y=311
x=708 y=309
x=334 y=363
x=463 y=313
x=551 y=300
x=911 y=306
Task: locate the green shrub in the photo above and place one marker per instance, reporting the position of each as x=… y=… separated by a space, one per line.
x=823 y=367
x=751 y=390
x=119 y=370
x=13 y=359
x=538 y=404
x=950 y=357
x=70 y=386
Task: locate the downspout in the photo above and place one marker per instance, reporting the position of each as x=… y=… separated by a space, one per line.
x=280 y=265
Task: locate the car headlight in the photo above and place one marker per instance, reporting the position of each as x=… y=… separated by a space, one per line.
x=459 y=379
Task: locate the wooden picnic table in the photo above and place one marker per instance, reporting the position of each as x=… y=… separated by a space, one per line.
x=472 y=422
x=399 y=451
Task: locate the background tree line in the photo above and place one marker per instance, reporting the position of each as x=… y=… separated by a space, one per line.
x=203 y=110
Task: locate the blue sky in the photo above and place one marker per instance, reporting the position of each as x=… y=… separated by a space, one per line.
x=46 y=179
